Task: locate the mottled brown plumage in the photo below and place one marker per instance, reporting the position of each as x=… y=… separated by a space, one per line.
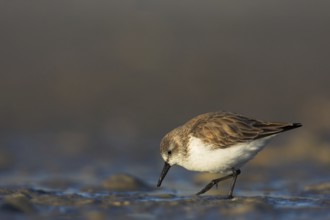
x=227 y=129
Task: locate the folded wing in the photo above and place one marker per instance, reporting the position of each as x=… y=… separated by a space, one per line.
x=228 y=129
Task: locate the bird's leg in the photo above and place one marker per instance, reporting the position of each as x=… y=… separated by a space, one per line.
x=214 y=182
x=235 y=174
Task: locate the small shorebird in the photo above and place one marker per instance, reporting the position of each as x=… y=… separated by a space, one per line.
x=217 y=142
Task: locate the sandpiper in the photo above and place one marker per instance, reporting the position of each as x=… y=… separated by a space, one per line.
x=217 y=142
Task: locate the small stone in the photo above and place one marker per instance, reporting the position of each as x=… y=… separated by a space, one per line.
x=18 y=202
x=125 y=182
x=323 y=188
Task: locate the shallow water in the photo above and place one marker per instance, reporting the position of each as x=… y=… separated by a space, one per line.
x=66 y=182
x=73 y=198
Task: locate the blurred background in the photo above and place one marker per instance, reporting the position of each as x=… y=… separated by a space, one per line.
x=92 y=86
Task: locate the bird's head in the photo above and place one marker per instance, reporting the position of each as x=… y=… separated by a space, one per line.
x=170 y=150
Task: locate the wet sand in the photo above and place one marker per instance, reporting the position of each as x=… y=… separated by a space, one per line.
x=124 y=196
x=287 y=180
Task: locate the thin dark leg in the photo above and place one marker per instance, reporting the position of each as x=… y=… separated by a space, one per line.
x=235 y=174
x=212 y=183
x=216 y=181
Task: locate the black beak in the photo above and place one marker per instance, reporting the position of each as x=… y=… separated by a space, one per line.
x=163 y=174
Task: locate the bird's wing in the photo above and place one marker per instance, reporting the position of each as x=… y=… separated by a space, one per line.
x=226 y=129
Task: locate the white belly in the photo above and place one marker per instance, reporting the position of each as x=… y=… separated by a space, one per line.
x=202 y=157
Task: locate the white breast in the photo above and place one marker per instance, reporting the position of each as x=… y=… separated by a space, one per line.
x=203 y=157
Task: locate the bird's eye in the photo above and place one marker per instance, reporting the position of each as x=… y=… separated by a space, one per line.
x=169 y=152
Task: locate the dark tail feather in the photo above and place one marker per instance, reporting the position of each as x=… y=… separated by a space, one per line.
x=291 y=126
x=275 y=128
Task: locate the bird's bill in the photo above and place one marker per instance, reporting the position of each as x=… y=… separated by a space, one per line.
x=166 y=168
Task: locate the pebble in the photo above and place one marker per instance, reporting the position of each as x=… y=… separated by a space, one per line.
x=125 y=182
x=321 y=188
x=18 y=202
